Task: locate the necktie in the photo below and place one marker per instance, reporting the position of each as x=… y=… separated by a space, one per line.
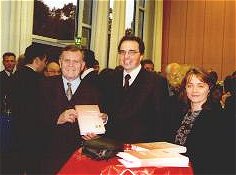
x=69 y=91
x=127 y=77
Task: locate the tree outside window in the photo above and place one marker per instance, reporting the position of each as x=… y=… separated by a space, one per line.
x=57 y=23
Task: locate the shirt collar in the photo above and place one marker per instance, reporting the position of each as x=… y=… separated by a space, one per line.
x=74 y=84
x=86 y=72
x=8 y=73
x=31 y=67
x=133 y=74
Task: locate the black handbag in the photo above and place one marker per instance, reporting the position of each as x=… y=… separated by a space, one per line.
x=101 y=148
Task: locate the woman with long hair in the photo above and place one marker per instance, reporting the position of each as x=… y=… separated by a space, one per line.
x=199 y=127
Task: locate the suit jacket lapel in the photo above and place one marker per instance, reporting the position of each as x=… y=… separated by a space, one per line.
x=61 y=89
x=138 y=78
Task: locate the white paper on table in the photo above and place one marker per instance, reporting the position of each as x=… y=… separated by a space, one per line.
x=152 y=158
x=89 y=120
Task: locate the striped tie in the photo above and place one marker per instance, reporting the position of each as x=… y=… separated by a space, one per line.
x=69 y=91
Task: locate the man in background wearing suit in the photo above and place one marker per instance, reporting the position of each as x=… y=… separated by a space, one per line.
x=59 y=113
x=136 y=97
x=9 y=63
x=26 y=108
x=89 y=72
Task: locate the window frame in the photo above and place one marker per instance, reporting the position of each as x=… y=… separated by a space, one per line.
x=78 y=29
x=138 y=8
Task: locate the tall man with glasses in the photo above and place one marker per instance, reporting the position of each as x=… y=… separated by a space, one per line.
x=135 y=100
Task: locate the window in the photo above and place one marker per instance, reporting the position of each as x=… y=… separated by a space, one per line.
x=129 y=19
x=85 y=22
x=54 y=19
x=135 y=17
x=61 y=22
x=139 y=17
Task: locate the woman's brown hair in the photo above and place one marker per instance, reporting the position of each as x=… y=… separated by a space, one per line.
x=203 y=76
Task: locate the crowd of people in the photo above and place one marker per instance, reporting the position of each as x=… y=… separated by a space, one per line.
x=185 y=106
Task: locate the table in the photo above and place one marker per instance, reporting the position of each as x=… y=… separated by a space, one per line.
x=82 y=165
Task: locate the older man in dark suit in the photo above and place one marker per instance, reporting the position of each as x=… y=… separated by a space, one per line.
x=60 y=95
x=89 y=73
x=136 y=98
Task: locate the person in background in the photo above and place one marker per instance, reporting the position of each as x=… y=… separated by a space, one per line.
x=173 y=75
x=96 y=66
x=217 y=89
x=20 y=62
x=148 y=65
x=52 y=69
x=27 y=124
x=134 y=97
x=6 y=87
x=60 y=94
x=229 y=119
x=199 y=126
x=9 y=63
x=227 y=87
x=89 y=72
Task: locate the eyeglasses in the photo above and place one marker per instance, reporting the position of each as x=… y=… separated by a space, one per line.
x=129 y=52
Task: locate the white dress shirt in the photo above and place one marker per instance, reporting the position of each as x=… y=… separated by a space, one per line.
x=133 y=74
x=74 y=84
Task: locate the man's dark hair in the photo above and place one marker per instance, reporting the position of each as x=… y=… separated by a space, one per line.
x=7 y=54
x=213 y=76
x=146 y=61
x=89 y=58
x=33 y=51
x=96 y=62
x=229 y=84
x=133 y=38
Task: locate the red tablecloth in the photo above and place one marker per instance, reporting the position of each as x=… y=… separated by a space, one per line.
x=79 y=164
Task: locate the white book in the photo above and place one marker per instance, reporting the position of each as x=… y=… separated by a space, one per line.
x=131 y=159
x=165 y=146
x=89 y=120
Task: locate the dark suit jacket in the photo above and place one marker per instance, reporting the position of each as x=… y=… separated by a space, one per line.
x=230 y=133
x=91 y=78
x=26 y=122
x=63 y=139
x=26 y=109
x=6 y=86
x=135 y=114
x=205 y=146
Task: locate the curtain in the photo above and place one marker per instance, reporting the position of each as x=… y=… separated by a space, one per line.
x=117 y=31
x=17 y=24
x=100 y=28
x=157 y=35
